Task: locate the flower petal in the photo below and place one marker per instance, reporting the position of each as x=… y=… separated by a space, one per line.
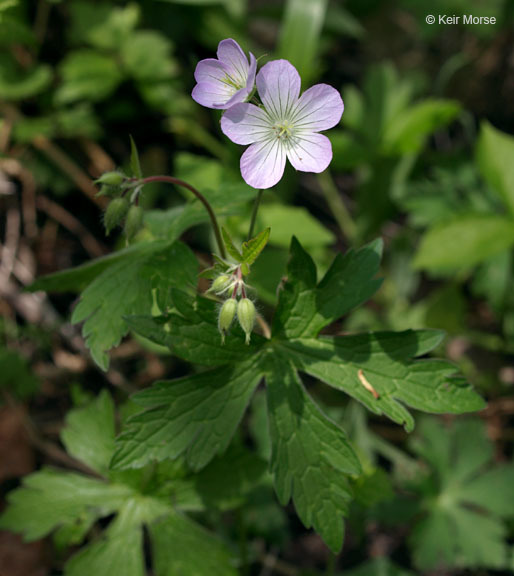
x=245 y=124
x=210 y=70
x=212 y=95
x=231 y=55
x=319 y=108
x=242 y=94
x=263 y=163
x=310 y=152
x=251 y=73
x=278 y=84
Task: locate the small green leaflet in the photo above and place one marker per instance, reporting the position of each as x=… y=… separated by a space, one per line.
x=464 y=501
x=250 y=249
x=312 y=461
x=71 y=503
x=230 y=246
x=494 y=157
x=135 y=165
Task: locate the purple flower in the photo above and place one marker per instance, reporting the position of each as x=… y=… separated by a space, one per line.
x=286 y=125
x=226 y=81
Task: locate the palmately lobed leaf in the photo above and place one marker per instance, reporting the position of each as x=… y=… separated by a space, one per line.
x=52 y=498
x=71 y=503
x=465 y=501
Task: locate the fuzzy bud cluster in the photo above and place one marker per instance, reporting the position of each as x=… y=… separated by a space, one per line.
x=237 y=305
x=123 y=209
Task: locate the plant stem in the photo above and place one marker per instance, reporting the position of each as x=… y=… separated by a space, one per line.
x=337 y=206
x=201 y=197
x=243 y=544
x=254 y=213
x=331 y=564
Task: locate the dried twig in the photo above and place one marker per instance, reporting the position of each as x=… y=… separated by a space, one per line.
x=66 y=164
x=63 y=217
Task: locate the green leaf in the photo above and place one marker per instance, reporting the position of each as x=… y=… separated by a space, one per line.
x=384 y=361
x=71 y=502
x=288 y=221
x=311 y=457
x=15 y=85
x=196 y=415
x=119 y=551
x=252 y=248
x=110 y=31
x=17 y=378
x=463 y=500
x=225 y=483
x=305 y=307
x=147 y=57
x=300 y=34
x=494 y=153
x=172 y=223
x=126 y=288
x=89 y=433
x=194 y=336
x=378 y=567
x=464 y=241
x=77 y=279
x=231 y=248
x=87 y=75
x=135 y=165
x=194 y=551
x=408 y=132
x=51 y=498
x=226 y=192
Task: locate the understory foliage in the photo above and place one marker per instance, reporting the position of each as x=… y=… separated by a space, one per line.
x=298 y=321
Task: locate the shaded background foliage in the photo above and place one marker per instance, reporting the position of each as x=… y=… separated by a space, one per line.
x=423 y=157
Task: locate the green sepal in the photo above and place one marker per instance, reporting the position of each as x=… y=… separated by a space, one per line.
x=230 y=246
x=253 y=247
x=135 y=165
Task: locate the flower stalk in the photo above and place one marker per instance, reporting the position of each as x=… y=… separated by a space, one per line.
x=199 y=195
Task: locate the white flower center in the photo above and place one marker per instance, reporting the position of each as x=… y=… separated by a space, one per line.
x=283 y=130
x=235 y=84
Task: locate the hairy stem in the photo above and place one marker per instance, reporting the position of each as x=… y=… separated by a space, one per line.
x=201 y=197
x=254 y=213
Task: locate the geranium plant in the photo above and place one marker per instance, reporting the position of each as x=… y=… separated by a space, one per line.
x=174 y=455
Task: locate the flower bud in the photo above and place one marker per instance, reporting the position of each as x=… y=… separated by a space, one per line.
x=106 y=190
x=227 y=313
x=220 y=283
x=115 y=213
x=134 y=221
x=112 y=179
x=246 y=315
